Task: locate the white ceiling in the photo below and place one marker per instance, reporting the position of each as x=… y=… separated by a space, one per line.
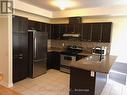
x=46 y=4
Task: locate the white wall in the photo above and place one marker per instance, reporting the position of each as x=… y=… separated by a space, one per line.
x=6 y=50
x=32 y=16
x=19 y=5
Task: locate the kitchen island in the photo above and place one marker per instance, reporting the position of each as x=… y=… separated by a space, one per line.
x=89 y=75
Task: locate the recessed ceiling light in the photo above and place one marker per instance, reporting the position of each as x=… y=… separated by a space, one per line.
x=63 y=4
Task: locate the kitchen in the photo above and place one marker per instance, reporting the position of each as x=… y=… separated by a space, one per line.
x=56 y=41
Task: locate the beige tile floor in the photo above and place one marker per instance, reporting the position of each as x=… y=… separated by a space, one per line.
x=57 y=83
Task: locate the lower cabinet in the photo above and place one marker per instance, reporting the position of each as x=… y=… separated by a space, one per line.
x=53 y=60
x=20 y=56
x=83 y=82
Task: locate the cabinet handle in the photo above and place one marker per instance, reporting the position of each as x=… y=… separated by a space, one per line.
x=20 y=57
x=35 y=47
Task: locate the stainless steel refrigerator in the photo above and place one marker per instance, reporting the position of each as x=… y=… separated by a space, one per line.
x=37 y=44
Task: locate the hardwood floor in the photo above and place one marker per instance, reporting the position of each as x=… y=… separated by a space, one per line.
x=1 y=76
x=7 y=91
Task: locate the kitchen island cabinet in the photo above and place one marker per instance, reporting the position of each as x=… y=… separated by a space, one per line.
x=83 y=82
x=88 y=76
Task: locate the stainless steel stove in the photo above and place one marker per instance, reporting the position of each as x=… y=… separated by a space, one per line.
x=68 y=56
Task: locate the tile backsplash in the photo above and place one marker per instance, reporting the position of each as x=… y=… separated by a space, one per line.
x=86 y=45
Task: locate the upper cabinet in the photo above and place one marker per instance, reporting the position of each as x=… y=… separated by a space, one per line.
x=63 y=29
x=55 y=30
x=106 y=32
x=20 y=24
x=34 y=25
x=43 y=27
x=48 y=29
x=38 y=26
x=74 y=28
x=96 y=32
x=86 y=32
x=90 y=32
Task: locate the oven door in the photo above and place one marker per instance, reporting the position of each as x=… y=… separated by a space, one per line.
x=65 y=62
x=67 y=59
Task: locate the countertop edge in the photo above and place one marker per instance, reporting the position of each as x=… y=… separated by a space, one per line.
x=96 y=67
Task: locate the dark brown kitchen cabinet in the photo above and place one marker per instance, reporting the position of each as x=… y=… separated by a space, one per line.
x=83 y=82
x=71 y=28
x=86 y=32
x=63 y=29
x=48 y=29
x=34 y=25
x=78 y=28
x=96 y=32
x=55 y=30
x=20 y=24
x=20 y=56
x=53 y=60
x=75 y=20
x=20 y=48
x=74 y=28
x=106 y=32
x=43 y=27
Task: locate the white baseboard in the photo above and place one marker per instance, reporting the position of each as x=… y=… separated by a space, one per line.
x=5 y=84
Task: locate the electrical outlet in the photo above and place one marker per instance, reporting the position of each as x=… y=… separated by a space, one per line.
x=63 y=44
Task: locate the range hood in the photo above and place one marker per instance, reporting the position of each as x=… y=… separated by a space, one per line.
x=73 y=21
x=71 y=35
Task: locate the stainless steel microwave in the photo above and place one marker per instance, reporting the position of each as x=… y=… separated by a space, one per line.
x=99 y=51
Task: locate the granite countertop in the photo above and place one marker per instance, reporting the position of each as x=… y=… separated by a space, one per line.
x=54 y=49
x=92 y=63
x=86 y=53
x=1 y=76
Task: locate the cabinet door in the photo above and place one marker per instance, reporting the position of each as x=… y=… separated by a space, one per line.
x=55 y=31
x=20 y=56
x=71 y=28
x=34 y=25
x=20 y=24
x=78 y=28
x=15 y=22
x=87 y=31
x=48 y=29
x=43 y=27
x=81 y=83
x=63 y=29
x=96 y=32
x=53 y=60
x=106 y=32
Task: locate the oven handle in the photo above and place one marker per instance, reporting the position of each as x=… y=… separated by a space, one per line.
x=68 y=57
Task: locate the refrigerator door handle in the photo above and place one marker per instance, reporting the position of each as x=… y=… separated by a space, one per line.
x=35 y=47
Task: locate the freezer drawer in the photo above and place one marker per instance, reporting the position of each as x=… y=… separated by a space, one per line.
x=39 y=67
